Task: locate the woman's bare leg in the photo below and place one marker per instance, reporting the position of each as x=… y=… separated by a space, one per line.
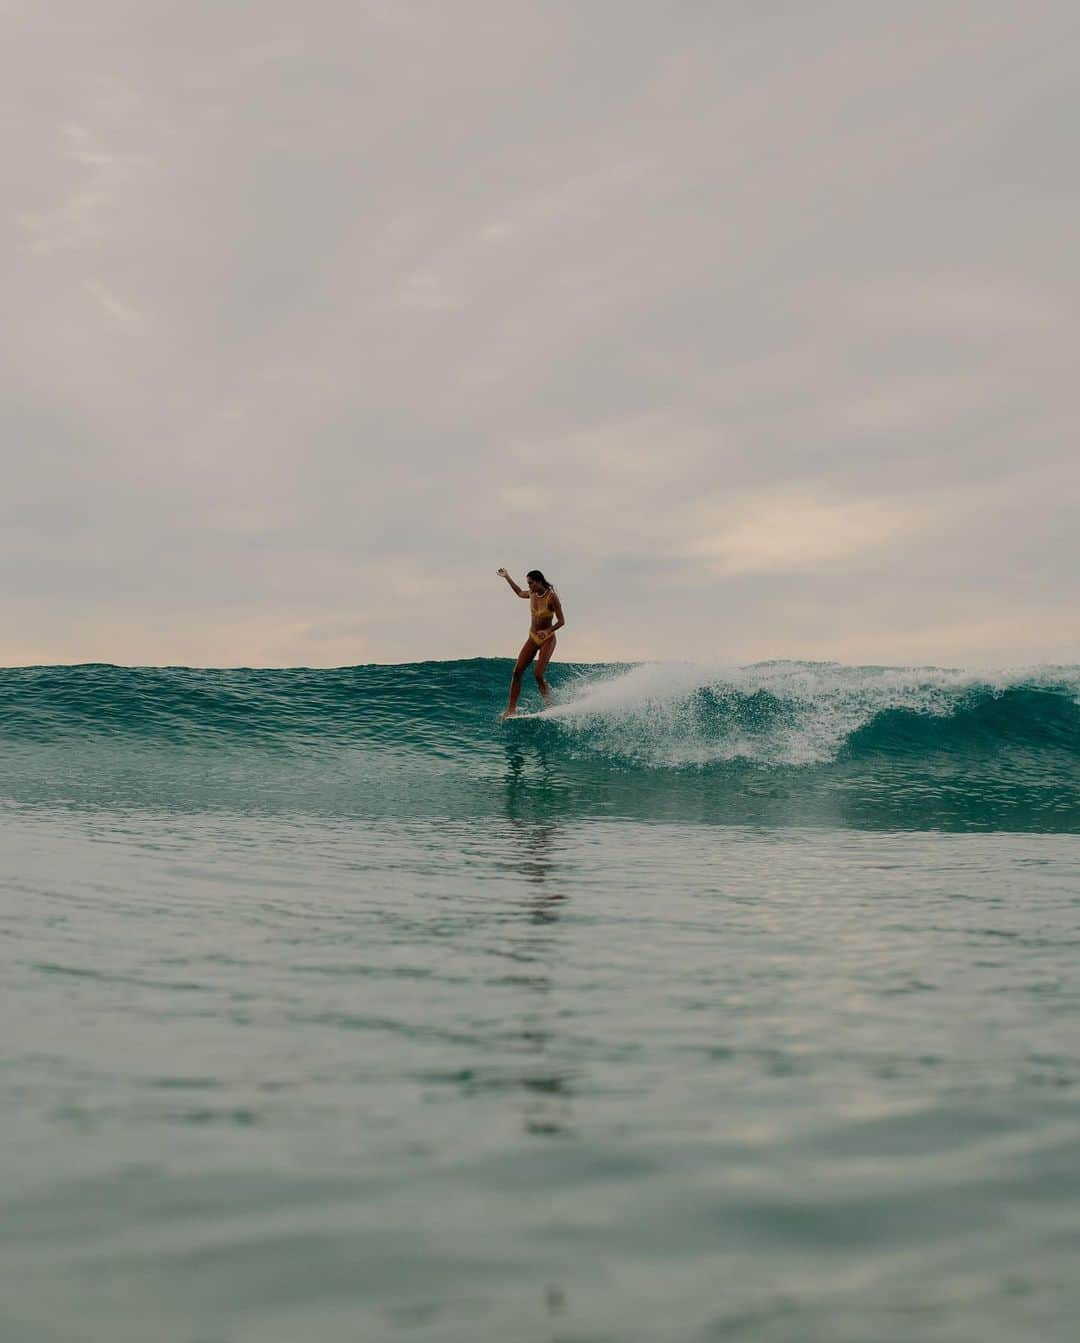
x=528 y=652
x=547 y=648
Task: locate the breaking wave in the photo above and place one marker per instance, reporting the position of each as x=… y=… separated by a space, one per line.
x=781 y=742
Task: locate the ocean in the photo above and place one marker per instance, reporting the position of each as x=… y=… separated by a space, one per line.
x=714 y=1003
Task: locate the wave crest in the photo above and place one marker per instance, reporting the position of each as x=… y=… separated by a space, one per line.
x=799 y=714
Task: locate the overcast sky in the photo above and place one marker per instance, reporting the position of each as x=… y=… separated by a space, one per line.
x=754 y=323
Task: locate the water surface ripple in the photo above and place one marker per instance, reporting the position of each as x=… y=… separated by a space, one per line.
x=707 y=1009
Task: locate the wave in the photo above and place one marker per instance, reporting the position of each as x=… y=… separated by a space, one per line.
x=788 y=742
x=803 y=714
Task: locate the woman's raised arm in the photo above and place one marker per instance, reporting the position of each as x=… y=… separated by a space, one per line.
x=520 y=592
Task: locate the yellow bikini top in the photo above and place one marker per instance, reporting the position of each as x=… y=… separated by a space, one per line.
x=544 y=597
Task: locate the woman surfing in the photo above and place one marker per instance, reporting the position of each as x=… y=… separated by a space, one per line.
x=547 y=617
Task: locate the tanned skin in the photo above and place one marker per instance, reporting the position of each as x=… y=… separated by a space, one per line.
x=543 y=624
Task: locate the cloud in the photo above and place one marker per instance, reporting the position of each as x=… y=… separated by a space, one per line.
x=750 y=328
x=788 y=534
x=946 y=301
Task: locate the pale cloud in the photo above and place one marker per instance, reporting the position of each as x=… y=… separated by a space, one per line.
x=428 y=292
x=790 y=534
x=86 y=215
x=906 y=405
x=757 y=331
x=112 y=303
x=949 y=301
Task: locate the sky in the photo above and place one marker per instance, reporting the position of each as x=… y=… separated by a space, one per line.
x=753 y=323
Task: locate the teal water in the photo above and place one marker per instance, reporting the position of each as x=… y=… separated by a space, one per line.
x=734 y=1004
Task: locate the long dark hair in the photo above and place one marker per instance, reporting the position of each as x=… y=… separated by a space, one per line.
x=538 y=577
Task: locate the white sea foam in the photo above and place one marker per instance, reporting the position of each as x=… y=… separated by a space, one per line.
x=779 y=713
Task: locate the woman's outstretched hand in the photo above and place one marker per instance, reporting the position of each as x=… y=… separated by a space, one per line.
x=503 y=573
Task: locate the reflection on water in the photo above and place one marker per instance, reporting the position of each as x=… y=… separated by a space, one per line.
x=532 y=852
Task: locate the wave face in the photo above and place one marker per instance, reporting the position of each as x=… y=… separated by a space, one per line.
x=775 y=743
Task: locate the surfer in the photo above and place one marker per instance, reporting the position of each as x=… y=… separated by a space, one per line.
x=547 y=617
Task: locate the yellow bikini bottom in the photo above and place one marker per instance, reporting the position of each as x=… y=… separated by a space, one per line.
x=540 y=639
